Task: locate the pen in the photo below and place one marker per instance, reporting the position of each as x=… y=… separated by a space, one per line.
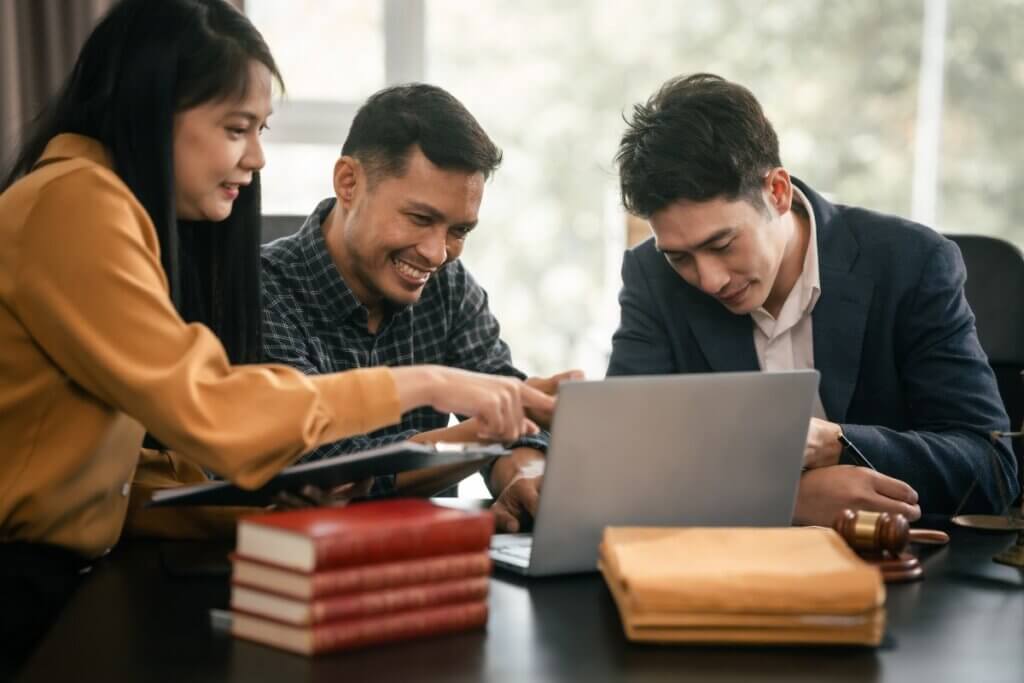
x=855 y=453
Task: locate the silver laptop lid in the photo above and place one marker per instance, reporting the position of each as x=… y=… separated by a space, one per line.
x=722 y=449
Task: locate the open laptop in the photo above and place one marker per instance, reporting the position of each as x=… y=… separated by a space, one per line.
x=722 y=449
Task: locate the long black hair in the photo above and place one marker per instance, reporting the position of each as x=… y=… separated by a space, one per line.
x=145 y=61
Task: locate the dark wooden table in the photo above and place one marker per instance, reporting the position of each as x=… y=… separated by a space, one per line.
x=134 y=621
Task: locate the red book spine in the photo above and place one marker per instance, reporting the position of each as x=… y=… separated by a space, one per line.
x=448 y=537
x=347 y=635
x=395 y=574
x=408 y=598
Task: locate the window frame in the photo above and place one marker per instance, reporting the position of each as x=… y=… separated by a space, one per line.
x=320 y=122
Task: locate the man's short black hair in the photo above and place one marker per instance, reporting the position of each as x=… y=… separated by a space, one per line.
x=393 y=120
x=699 y=137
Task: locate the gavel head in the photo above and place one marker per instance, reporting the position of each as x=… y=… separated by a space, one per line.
x=873 y=532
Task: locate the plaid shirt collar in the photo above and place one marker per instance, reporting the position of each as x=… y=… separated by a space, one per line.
x=324 y=278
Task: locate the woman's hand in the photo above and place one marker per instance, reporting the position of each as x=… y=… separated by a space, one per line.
x=498 y=403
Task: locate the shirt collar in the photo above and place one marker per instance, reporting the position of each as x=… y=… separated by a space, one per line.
x=324 y=279
x=71 y=145
x=807 y=288
x=810 y=278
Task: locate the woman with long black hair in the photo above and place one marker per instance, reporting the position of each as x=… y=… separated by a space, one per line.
x=129 y=301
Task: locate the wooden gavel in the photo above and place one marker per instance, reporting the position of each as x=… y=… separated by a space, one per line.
x=878 y=533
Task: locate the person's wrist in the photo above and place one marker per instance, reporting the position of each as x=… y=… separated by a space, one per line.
x=417 y=385
x=503 y=472
x=839 y=445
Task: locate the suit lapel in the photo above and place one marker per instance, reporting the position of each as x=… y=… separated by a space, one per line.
x=726 y=340
x=840 y=316
x=838 y=323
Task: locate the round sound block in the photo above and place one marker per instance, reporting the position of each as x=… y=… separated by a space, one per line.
x=900 y=569
x=990 y=522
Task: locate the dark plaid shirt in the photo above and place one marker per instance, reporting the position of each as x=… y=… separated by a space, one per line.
x=313 y=322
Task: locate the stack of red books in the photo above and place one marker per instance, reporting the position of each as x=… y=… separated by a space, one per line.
x=324 y=579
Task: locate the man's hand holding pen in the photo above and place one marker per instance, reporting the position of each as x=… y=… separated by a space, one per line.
x=826 y=487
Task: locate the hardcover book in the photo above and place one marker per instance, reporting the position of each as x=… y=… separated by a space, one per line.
x=362 y=533
x=356 y=605
x=374 y=577
x=346 y=635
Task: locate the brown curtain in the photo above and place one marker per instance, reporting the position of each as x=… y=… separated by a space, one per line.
x=39 y=41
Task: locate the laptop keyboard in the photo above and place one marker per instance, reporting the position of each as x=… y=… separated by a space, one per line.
x=514 y=546
x=522 y=553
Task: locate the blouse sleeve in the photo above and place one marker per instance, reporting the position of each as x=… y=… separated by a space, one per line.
x=92 y=293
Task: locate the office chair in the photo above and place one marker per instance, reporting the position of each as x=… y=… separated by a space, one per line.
x=995 y=291
x=279 y=226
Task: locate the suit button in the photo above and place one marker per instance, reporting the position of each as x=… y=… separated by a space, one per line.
x=126 y=489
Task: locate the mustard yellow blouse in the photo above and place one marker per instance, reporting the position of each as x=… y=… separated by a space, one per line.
x=92 y=353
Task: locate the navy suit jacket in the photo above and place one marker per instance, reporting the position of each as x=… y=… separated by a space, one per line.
x=894 y=340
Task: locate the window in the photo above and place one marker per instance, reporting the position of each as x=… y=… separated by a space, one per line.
x=333 y=55
x=981 y=165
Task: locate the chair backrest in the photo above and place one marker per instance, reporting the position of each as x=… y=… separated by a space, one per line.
x=274 y=226
x=995 y=291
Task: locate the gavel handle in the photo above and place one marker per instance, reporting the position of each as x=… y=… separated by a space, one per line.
x=929 y=536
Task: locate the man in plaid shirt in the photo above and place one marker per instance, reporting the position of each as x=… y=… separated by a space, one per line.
x=373 y=277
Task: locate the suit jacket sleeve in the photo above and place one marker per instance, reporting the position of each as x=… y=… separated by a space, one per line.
x=641 y=344
x=952 y=400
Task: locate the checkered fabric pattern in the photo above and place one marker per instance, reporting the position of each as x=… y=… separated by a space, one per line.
x=313 y=322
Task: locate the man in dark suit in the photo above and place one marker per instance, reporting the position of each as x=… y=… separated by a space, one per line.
x=750 y=268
